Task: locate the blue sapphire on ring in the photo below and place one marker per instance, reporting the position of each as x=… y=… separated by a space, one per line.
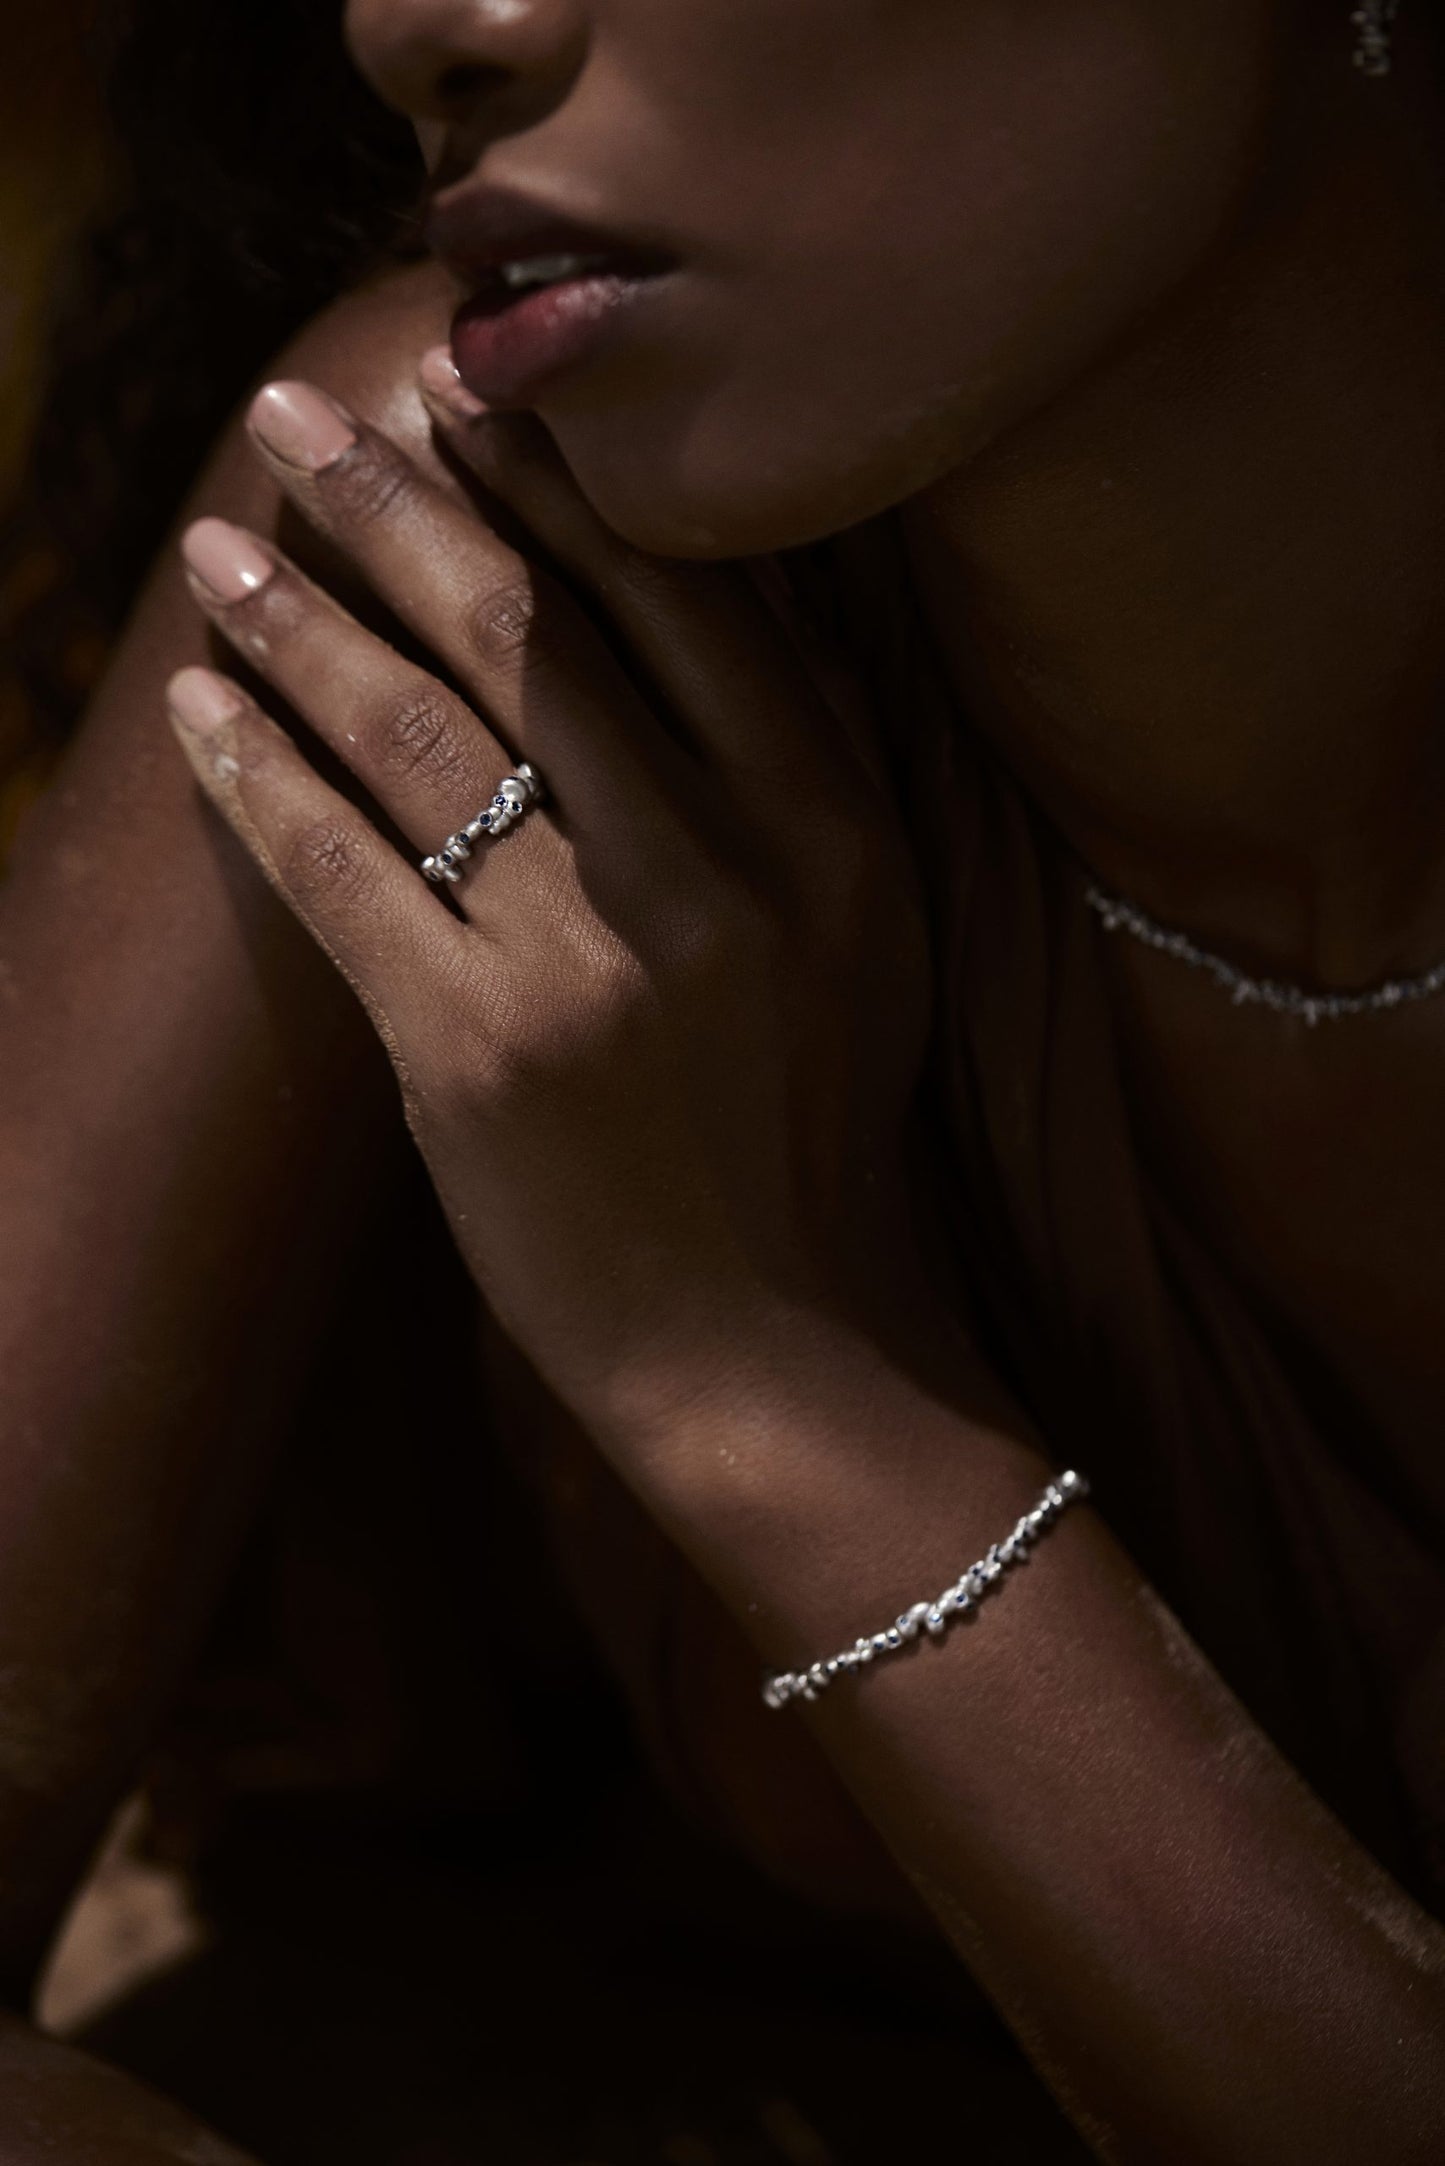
x=518 y=791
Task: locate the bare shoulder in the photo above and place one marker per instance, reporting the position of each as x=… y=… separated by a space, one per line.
x=364 y=350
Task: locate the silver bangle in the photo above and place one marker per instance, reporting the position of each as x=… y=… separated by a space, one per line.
x=933 y=1618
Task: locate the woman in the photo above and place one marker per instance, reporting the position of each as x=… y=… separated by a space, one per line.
x=971 y=491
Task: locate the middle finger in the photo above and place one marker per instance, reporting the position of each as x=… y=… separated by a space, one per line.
x=505 y=630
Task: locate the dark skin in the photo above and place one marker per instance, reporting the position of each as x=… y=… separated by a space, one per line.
x=1168 y=1991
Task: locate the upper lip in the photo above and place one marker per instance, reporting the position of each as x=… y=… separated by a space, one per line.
x=476 y=230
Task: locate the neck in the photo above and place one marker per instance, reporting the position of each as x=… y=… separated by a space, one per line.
x=1198 y=602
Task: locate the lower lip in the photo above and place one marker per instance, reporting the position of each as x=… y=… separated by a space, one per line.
x=503 y=355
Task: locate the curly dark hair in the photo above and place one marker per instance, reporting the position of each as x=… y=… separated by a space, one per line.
x=258 y=178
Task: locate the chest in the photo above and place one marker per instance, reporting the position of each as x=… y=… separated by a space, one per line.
x=1313 y=1162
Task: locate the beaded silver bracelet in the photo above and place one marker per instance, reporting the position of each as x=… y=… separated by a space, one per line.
x=933 y=1618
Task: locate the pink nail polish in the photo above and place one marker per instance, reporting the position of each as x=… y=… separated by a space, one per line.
x=439 y=379
x=225 y=560
x=301 y=426
x=202 y=701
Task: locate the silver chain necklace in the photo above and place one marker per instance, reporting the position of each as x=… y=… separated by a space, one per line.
x=1298 y=1000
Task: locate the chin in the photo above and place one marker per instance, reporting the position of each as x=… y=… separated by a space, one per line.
x=663 y=503
x=751 y=483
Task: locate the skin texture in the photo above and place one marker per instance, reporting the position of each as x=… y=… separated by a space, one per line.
x=820 y=355
x=1201 y=1968
x=1172 y=477
x=772 y=949
x=715 y=1327
x=152 y=1330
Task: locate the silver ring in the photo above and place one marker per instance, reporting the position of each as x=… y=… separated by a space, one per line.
x=514 y=795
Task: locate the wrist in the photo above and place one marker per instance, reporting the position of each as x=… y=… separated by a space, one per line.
x=766 y=1370
x=784 y=1350
x=819 y=1472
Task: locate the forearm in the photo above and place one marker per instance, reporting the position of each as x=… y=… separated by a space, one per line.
x=640 y=1068
x=1200 y=1960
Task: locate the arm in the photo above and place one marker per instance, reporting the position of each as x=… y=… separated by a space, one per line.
x=1201 y=1961
x=667 y=1130
x=185 y=1090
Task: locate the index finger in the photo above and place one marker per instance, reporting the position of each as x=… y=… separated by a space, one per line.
x=519 y=645
x=732 y=665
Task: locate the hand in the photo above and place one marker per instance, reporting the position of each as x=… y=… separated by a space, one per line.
x=658 y=1045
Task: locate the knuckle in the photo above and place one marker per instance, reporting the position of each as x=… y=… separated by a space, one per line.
x=418 y=735
x=512 y=1076
x=492 y=1064
x=370 y=486
x=502 y=621
x=323 y=862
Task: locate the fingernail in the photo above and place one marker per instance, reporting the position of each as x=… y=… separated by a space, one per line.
x=440 y=380
x=225 y=560
x=301 y=426
x=202 y=701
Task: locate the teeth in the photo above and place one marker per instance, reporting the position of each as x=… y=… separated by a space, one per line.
x=546 y=270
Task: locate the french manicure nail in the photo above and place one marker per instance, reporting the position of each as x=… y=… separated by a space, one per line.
x=439 y=378
x=225 y=560
x=202 y=701
x=301 y=426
